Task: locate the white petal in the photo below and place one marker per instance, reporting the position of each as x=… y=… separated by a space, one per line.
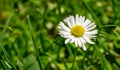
x=88 y=40
x=63 y=27
x=90 y=25
x=64 y=32
x=82 y=40
x=72 y=40
x=76 y=43
x=80 y=20
x=79 y=42
x=67 y=40
x=67 y=36
x=88 y=29
x=90 y=36
x=87 y=22
x=68 y=22
x=72 y=20
x=92 y=32
x=84 y=47
x=83 y=19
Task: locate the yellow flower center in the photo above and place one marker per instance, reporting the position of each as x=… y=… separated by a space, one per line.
x=77 y=31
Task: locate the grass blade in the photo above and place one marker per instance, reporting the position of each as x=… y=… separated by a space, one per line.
x=35 y=47
x=75 y=55
x=103 y=61
x=65 y=64
x=2 y=37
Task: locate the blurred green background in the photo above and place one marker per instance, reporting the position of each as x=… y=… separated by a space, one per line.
x=29 y=37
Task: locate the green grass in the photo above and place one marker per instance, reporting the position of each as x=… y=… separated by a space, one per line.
x=29 y=37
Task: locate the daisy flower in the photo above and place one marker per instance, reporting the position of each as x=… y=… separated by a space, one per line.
x=77 y=30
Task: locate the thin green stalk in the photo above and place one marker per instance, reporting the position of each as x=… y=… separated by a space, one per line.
x=6 y=26
x=35 y=47
x=83 y=61
x=110 y=54
x=75 y=55
x=105 y=64
x=3 y=65
x=91 y=11
x=5 y=52
x=7 y=56
x=56 y=64
x=107 y=26
x=114 y=9
x=41 y=42
x=2 y=37
x=65 y=64
x=70 y=51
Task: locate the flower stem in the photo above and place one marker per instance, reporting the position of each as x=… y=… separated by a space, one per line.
x=73 y=64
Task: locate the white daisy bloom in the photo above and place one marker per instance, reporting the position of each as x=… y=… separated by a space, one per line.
x=77 y=30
